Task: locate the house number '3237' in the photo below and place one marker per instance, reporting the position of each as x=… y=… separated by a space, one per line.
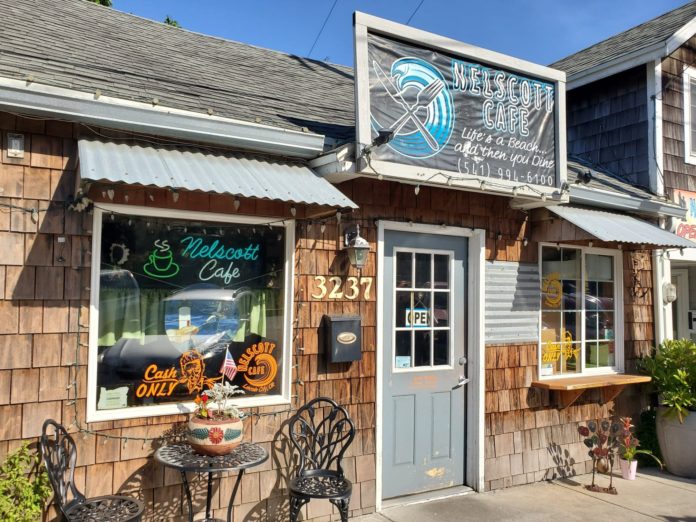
x=338 y=288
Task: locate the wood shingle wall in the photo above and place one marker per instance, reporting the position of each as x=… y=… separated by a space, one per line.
x=44 y=307
x=607 y=124
x=677 y=173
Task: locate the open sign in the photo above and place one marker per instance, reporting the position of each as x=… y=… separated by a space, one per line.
x=418 y=317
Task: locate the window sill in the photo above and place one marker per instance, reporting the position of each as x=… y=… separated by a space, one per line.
x=569 y=389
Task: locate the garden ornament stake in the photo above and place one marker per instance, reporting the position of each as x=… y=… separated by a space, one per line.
x=602 y=439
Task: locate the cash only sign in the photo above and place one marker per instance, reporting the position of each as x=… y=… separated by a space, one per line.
x=440 y=112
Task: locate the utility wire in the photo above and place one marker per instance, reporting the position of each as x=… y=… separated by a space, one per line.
x=321 y=30
x=414 y=12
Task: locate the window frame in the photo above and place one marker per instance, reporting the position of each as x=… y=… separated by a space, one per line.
x=453 y=319
x=688 y=75
x=282 y=398
x=618 y=312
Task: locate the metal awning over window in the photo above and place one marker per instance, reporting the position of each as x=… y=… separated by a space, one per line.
x=607 y=226
x=194 y=169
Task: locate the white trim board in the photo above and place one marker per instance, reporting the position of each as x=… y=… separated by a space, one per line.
x=475 y=407
x=94 y=415
x=115 y=113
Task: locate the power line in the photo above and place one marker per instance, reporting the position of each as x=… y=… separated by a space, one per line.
x=321 y=30
x=414 y=12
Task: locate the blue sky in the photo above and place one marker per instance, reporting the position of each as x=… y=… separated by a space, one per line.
x=538 y=30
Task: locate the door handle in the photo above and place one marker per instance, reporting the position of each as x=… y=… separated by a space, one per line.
x=462 y=381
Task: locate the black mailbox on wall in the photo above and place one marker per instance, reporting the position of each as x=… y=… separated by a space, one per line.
x=342 y=337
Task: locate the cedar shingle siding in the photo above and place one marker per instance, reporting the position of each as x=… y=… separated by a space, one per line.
x=608 y=124
x=678 y=174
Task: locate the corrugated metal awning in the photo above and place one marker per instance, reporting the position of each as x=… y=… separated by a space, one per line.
x=608 y=226
x=194 y=169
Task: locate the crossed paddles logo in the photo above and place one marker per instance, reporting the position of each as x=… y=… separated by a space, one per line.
x=421 y=112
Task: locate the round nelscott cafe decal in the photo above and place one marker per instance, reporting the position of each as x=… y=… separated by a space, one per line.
x=259 y=367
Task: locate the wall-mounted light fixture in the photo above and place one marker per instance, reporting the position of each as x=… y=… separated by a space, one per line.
x=383 y=137
x=356 y=246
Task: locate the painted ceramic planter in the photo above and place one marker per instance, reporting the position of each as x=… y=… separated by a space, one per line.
x=628 y=469
x=214 y=437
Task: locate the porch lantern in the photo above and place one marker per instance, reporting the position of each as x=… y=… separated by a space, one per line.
x=356 y=246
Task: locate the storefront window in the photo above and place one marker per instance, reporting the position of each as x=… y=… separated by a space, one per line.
x=175 y=297
x=578 y=311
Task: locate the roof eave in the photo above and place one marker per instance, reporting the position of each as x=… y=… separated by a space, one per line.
x=56 y=102
x=630 y=60
x=611 y=200
x=615 y=66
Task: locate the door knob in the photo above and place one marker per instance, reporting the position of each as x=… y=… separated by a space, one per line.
x=462 y=361
x=462 y=381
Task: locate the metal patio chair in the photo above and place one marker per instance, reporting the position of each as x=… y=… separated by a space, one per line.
x=321 y=431
x=59 y=452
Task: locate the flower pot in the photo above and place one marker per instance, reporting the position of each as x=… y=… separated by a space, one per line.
x=214 y=437
x=677 y=443
x=628 y=469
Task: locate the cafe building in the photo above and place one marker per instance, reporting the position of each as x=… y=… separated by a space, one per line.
x=428 y=256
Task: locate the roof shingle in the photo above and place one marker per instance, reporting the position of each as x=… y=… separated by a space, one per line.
x=84 y=46
x=642 y=36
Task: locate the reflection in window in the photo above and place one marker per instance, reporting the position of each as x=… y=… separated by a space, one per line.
x=175 y=297
x=578 y=314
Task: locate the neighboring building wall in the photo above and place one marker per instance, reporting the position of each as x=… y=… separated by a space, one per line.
x=607 y=124
x=677 y=173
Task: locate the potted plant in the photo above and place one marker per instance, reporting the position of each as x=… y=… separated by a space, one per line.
x=216 y=427
x=673 y=371
x=628 y=450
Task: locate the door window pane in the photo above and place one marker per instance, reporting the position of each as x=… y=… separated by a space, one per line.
x=441 y=347
x=423 y=270
x=403 y=307
x=441 y=309
x=421 y=348
x=404 y=269
x=402 y=350
x=441 y=271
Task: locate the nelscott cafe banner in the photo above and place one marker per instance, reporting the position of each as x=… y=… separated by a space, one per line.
x=459 y=116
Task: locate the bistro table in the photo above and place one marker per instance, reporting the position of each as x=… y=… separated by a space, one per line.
x=182 y=458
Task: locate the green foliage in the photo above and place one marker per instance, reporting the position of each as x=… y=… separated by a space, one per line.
x=646 y=431
x=24 y=486
x=105 y=3
x=673 y=370
x=170 y=21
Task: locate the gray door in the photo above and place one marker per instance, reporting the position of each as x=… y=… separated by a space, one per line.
x=424 y=364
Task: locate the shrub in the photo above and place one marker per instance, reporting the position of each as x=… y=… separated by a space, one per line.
x=673 y=371
x=24 y=486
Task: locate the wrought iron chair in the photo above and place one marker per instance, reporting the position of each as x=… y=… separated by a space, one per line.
x=59 y=452
x=321 y=431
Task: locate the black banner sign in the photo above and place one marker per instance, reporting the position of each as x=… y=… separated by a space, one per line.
x=458 y=116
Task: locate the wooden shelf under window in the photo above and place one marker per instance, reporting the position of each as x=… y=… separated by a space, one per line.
x=569 y=389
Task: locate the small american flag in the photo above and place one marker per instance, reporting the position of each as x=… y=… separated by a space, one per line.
x=228 y=368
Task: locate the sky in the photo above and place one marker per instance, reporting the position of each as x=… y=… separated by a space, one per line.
x=541 y=31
